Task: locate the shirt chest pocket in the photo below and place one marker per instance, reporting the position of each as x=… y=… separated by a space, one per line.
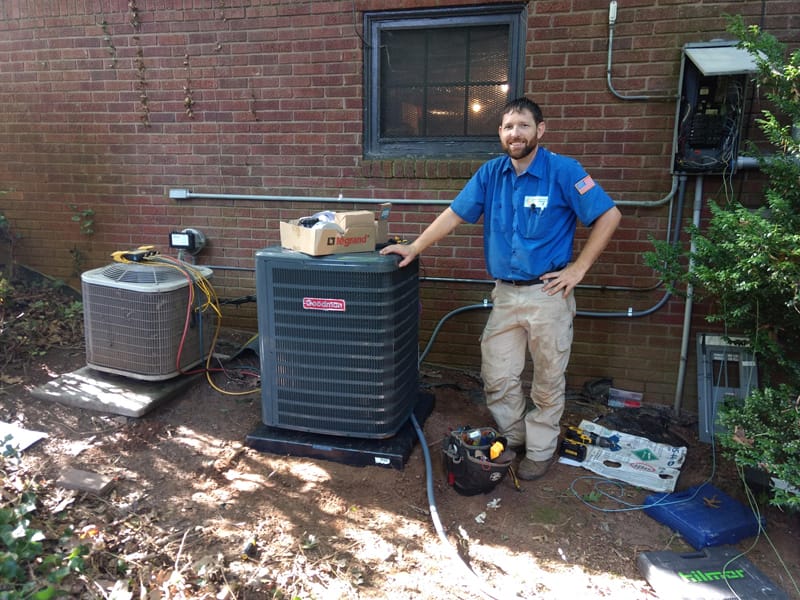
x=535 y=216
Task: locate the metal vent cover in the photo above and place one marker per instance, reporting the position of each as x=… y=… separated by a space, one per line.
x=142 y=273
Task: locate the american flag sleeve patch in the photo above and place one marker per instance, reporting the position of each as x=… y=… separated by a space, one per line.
x=584 y=185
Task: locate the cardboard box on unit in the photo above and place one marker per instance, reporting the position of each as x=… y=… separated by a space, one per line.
x=362 y=232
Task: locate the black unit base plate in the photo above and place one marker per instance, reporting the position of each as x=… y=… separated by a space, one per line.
x=389 y=452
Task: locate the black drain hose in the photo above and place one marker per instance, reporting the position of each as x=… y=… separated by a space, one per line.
x=481 y=585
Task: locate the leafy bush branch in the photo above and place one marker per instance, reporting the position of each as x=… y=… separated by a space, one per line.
x=33 y=565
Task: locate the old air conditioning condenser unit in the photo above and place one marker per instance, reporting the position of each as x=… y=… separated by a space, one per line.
x=141 y=320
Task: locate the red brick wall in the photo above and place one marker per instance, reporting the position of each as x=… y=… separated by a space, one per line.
x=105 y=106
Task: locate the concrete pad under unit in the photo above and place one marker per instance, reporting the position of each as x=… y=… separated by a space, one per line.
x=116 y=394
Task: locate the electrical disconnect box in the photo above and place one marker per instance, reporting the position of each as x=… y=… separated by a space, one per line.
x=725 y=372
x=711 y=104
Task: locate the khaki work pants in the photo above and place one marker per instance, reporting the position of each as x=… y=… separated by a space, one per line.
x=522 y=320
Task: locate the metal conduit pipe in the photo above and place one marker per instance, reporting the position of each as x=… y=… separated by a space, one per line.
x=612 y=21
x=597 y=314
x=649 y=203
x=630 y=313
x=687 y=311
x=742 y=162
x=185 y=194
x=585 y=286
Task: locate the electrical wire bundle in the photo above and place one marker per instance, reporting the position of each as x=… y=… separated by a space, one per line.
x=202 y=300
x=708 y=142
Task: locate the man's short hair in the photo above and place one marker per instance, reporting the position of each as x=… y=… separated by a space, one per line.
x=523 y=103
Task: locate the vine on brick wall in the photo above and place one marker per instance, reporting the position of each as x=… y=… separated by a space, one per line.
x=112 y=49
x=84 y=217
x=133 y=15
x=253 y=100
x=144 y=101
x=188 y=99
x=7 y=239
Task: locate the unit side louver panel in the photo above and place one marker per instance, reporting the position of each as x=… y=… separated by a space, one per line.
x=134 y=322
x=339 y=342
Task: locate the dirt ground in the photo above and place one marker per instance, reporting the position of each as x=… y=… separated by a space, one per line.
x=193 y=512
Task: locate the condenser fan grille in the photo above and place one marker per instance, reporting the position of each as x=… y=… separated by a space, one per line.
x=142 y=273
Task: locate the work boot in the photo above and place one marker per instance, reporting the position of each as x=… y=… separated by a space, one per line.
x=532 y=469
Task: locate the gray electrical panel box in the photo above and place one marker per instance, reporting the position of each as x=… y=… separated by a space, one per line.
x=711 y=105
x=725 y=371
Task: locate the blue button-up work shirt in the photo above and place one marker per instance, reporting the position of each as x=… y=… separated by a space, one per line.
x=529 y=220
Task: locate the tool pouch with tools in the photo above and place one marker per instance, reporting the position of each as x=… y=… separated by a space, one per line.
x=475 y=459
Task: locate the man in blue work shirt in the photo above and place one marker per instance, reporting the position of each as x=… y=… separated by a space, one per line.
x=530 y=201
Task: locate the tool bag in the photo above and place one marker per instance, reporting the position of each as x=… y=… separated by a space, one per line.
x=475 y=459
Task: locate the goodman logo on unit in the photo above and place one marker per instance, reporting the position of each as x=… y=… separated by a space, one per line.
x=334 y=304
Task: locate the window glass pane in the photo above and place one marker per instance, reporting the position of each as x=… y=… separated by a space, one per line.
x=443 y=82
x=436 y=79
x=401 y=112
x=485 y=104
x=446 y=111
x=489 y=54
x=447 y=55
x=403 y=57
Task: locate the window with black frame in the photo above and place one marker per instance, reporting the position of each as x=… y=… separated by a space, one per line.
x=436 y=79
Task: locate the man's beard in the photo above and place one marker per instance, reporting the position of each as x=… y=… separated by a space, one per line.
x=523 y=152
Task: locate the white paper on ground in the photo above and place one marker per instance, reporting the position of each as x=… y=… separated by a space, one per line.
x=639 y=461
x=20 y=438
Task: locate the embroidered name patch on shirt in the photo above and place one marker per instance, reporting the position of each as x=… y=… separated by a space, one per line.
x=584 y=185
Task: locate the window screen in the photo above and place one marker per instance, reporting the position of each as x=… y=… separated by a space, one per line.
x=437 y=80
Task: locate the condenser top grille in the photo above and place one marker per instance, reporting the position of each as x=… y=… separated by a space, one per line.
x=137 y=273
x=143 y=277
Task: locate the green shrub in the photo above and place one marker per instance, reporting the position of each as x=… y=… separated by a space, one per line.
x=31 y=565
x=746 y=267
